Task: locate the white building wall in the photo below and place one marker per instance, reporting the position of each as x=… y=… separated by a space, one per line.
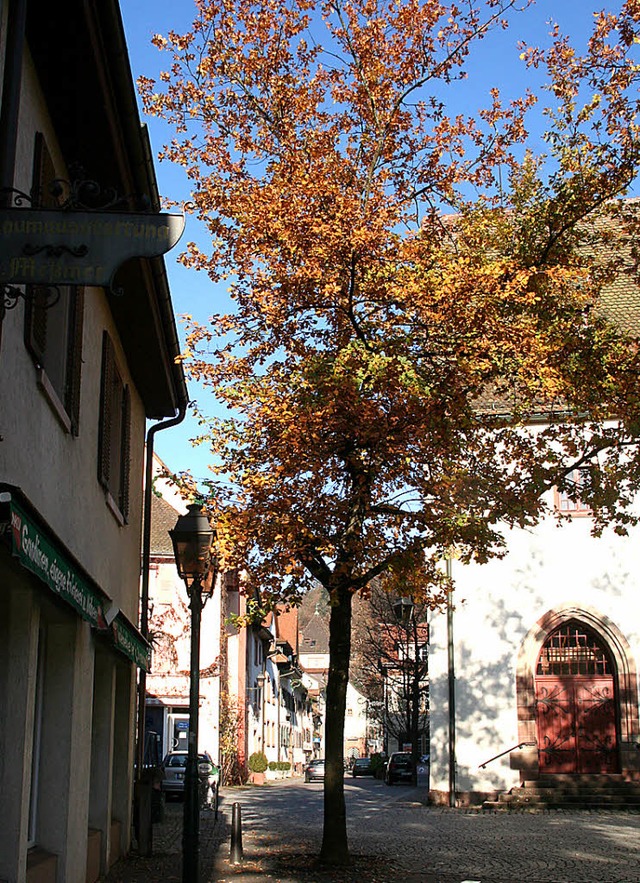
x=355 y=723
x=168 y=682
x=36 y=451
x=496 y=604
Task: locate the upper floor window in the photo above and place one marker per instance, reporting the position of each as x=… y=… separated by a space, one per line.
x=115 y=433
x=569 y=500
x=411 y=651
x=53 y=331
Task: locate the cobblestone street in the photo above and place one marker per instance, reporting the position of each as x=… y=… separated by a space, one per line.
x=393 y=838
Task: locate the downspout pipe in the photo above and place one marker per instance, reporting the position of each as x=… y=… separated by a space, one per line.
x=452 y=696
x=144 y=788
x=146 y=559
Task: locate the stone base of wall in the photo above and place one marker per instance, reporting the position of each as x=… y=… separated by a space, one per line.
x=115 y=842
x=94 y=848
x=463 y=798
x=41 y=866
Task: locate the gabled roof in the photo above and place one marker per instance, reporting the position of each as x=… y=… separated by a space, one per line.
x=315 y=636
x=287 y=627
x=163 y=519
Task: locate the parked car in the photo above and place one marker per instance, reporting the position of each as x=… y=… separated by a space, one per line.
x=362 y=767
x=174 y=767
x=399 y=768
x=314 y=771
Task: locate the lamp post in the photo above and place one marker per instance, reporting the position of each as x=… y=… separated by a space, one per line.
x=192 y=539
x=404 y=610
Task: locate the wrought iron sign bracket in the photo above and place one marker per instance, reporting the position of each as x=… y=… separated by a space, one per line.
x=82 y=240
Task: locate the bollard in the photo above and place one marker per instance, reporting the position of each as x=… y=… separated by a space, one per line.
x=215 y=801
x=236 y=835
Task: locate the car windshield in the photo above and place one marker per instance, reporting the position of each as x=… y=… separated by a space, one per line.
x=180 y=760
x=177 y=760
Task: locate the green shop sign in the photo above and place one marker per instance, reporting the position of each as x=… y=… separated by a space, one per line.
x=39 y=555
x=131 y=643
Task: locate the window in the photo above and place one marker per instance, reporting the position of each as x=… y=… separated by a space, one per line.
x=115 y=433
x=568 y=501
x=407 y=651
x=53 y=333
x=573 y=649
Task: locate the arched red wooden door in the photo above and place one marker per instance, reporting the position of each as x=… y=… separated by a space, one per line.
x=576 y=703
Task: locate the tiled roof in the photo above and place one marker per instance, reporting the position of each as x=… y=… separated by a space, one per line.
x=621 y=303
x=163 y=519
x=287 y=627
x=315 y=636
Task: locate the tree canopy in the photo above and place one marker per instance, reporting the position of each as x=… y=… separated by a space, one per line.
x=412 y=290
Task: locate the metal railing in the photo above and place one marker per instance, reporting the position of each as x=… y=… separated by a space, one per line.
x=507 y=751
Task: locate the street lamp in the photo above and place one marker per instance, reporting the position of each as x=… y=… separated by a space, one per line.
x=403 y=609
x=192 y=539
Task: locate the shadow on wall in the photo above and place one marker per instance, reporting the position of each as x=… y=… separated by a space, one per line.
x=482 y=693
x=485 y=683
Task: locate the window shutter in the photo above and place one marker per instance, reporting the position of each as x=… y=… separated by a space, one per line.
x=43 y=175
x=106 y=417
x=74 y=358
x=35 y=326
x=35 y=312
x=125 y=465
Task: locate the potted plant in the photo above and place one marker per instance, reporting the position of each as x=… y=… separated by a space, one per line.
x=258 y=763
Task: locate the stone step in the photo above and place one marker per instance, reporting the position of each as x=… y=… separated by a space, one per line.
x=591 y=792
x=499 y=806
x=545 y=793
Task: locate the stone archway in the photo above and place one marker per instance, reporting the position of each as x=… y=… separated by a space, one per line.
x=624 y=685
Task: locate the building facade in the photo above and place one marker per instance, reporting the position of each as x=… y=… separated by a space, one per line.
x=269 y=692
x=545 y=648
x=168 y=680
x=83 y=370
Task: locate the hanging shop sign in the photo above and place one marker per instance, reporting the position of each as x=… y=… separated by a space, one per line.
x=47 y=247
x=38 y=554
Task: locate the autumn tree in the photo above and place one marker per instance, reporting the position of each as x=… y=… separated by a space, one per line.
x=412 y=289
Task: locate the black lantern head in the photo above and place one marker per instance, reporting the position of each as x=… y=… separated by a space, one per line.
x=192 y=539
x=403 y=609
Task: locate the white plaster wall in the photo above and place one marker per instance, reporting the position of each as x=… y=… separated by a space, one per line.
x=55 y=470
x=171 y=616
x=495 y=606
x=355 y=722
x=165 y=488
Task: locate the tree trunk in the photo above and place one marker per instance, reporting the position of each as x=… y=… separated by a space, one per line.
x=335 y=849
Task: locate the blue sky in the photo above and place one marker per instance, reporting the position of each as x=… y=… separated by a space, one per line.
x=495 y=62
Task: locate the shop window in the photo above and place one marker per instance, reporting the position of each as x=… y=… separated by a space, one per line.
x=53 y=318
x=115 y=434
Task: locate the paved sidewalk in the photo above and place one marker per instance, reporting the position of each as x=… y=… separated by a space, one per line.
x=408 y=843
